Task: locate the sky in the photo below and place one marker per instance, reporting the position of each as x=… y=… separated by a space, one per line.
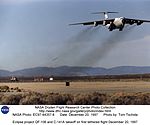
x=36 y=33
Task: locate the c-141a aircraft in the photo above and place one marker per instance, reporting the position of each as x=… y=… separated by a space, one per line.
x=115 y=23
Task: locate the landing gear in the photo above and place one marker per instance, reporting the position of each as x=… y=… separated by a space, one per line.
x=120 y=29
x=110 y=29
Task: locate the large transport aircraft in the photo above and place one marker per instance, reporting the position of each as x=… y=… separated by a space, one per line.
x=114 y=23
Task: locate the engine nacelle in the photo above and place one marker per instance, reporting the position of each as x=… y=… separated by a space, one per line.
x=131 y=23
x=139 y=22
x=104 y=23
x=95 y=24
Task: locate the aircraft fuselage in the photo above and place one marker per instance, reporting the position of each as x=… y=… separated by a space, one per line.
x=116 y=24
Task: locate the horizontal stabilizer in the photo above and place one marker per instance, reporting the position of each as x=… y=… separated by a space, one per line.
x=103 y=12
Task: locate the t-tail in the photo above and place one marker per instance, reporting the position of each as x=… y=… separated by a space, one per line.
x=105 y=14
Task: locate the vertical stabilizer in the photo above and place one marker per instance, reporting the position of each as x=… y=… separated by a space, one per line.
x=106 y=15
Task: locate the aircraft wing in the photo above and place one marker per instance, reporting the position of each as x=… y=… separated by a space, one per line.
x=132 y=21
x=100 y=22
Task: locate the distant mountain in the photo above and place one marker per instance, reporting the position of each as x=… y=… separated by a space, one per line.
x=4 y=73
x=76 y=71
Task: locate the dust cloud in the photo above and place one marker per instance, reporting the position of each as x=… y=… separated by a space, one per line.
x=74 y=45
x=76 y=50
x=104 y=47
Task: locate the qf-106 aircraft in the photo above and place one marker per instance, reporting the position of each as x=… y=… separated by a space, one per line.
x=115 y=23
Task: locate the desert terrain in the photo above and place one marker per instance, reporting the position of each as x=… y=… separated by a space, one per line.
x=82 y=87
x=78 y=93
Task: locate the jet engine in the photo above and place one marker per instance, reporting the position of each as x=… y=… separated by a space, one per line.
x=104 y=23
x=139 y=22
x=95 y=24
x=131 y=22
